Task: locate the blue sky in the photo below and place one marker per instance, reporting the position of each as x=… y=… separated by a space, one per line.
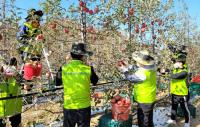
x=193 y=6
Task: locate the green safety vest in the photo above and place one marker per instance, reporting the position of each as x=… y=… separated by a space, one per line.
x=32 y=32
x=76 y=81
x=10 y=107
x=179 y=86
x=33 y=48
x=145 y=91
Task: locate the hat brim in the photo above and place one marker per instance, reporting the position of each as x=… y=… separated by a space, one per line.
x=141 y=61
x=180 y=60
x=87 y=53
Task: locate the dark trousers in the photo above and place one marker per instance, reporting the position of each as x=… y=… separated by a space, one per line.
x=15 y=121
x=81 y=117
x=23 y=56
x=145 y=115
x=183 y=101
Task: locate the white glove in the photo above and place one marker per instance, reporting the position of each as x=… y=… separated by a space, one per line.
x=122 y=68
x=162 y=70
x=176 y=65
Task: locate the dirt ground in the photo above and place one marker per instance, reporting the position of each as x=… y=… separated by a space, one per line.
x=49 y=112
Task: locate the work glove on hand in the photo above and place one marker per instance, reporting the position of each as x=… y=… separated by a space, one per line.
x=178 y=65
x=122 y=66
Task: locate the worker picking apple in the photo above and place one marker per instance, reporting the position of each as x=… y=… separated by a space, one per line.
x=30 y=40
x=179 y=89
x=144 y=85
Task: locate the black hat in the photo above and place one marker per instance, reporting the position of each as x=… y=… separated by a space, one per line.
x=80 y=49
x=34 y=15
x=181 y=57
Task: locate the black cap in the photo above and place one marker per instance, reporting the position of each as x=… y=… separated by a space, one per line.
x=34 y=15
x=80 y=49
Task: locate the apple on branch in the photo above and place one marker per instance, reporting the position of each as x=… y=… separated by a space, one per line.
x=131 y=11
x=91 y=12
x=53 y=25
x=40 y=37
x=96 y=10
x=66 y=30
x=81 y=4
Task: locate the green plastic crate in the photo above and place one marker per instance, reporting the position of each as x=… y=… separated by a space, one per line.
x=192 y=111
x=194 y=86
x=194 y=89
x=194 y=93
x=107 y=121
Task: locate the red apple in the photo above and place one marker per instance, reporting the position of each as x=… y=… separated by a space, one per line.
x=143 y=25
x=66 y=30
x=119 y=103
x=123 y=100
x=131 y=11
x=90 y=29
x=137 y=29
x=53 y=25
x=40 y=37
x=91 y=12
x=85 y=9
x=143 y=30
x=81 y=3
x=121 y=62
x=96 y=10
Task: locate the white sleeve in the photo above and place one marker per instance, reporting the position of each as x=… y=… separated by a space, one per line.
x=136 y=77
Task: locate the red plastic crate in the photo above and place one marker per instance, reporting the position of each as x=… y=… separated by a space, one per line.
x=120 y=112
x=29 y=71
x=196 y=78
x=38 y=70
